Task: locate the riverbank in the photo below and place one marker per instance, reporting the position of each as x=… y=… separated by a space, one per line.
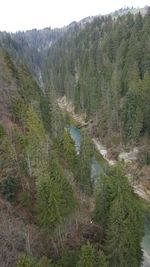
x=67 y=106
x=97 y=168
x=128 y=158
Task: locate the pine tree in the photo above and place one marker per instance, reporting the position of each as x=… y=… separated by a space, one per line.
x=90 y=257
x=84 y=163
x=87 y=257
x=53 y=204
x=69 y=150
x=145 y=95
x=133 y=111
x=125 y=225
x=25 y=260
x=102 y=206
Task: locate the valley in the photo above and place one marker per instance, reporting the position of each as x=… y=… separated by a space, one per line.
x=75 y=143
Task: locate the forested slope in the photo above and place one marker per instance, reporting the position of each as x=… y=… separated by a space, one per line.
x=52 y=214
x=30 y=47
x=105 y=70
x=32 y=181
x=47 y=198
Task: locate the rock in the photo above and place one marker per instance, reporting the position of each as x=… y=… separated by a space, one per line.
x=129 y=156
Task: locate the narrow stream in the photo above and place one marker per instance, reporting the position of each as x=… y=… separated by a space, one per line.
x=96 y=169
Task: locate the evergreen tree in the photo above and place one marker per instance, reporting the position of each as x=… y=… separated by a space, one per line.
x=146 y=100
x=53 y=204
x=84 y=163
x=133 y=111
x=69 y=150
x=27 y=261
x=121 y=216
x=103 y=66
x=89 y=257
x=102 y=206
x=125 y=224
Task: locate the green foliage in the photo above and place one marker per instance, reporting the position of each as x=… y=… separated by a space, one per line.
x=53 y=204
x=2 y=131
x=133 y=107
x=104 y=71
x=7 y=155
x=36 y=149
x=29 y=89
x=69 y=120
x=69 y=152
x=11 y=65
x=102 y=206
x=123 y=222
x=34 y=125
x=45 y=262
x=68 y=258
x=84 y=163
x=89 y=257
x=146 y=100
x=25 y=199
x=46 y=109
x=51 y=115
x=77 y=101
x=8 y=188
x=27 y=261
x=56 y=120
x=102 y=260
x=144 y=155
x=19 y=109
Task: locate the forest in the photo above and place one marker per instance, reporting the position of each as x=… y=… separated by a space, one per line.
x=52 y=213
x=104 y=69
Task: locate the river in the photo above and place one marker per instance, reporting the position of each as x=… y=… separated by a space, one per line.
x=97 y=169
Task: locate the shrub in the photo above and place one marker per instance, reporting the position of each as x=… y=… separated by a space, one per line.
x=8 y=188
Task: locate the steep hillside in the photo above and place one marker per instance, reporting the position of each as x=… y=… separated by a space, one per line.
x=30 y=47
x=132 y=10
x=31 y=172
x=53 y=211
x=45 y=210
x=105 y=70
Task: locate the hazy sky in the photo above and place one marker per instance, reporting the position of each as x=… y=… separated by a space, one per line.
x=27 y=14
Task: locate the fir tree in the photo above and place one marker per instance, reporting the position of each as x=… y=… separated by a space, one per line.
x=84 y=163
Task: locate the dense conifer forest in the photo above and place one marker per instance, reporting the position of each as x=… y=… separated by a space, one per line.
x=52 y=213
x=105 y=70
